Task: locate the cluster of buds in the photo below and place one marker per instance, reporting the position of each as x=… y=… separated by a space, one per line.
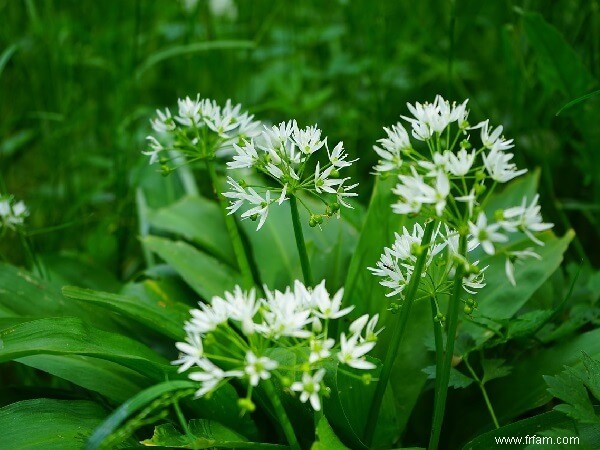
x=444 y=178
x=285 y=154
x=244 y=337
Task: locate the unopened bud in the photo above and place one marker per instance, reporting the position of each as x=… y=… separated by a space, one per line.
x=246 y=404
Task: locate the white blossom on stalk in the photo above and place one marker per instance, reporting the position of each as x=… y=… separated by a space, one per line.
x=12 y=214
x=459 y=164
x=486 y=234
x=191 y=352
x=391 y=148
x=211 y=375
x=498 y=166
x=258 y=368
x=320 y=349
x=492 y=138
x=163 y=123
x=309 y=388
x=528 y=218
x=352 y=352
x=516 y=256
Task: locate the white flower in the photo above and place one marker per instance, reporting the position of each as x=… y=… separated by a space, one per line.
x=283 y=316
x=517 y=256
x=223 y=8
x=322 y=181
x=258 y=368
x=209 y=317
x=337 y=157
x=352 y=352
x=329 y=308
x=310 y=387
x=474 y=280
x=308 y=140
x=211 y=376
x=528 y=218
x=191 y=352
x=498 y=166
x=189 y=111
x=459 y=164
x=492 y=138
x=155 y=149
x=391 y=148
x=436 y=195
x=320 y=349
x=245 y=156
x=242 y=306
x=485 y=234
x=437 y=166
x=164 y=122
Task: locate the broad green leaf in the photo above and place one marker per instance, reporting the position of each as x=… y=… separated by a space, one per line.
x=105 y=377
x=199 y=220
x=71 y=336
x=326 y=438
x=159 y=394
x=203 y=434
x=509 y=435
x=206 y=275
x=166 y=318
x=560 y=67
x=74 y=269
x=48 y=424
x=499 y=300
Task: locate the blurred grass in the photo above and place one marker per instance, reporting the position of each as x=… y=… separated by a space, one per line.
x=78 y=81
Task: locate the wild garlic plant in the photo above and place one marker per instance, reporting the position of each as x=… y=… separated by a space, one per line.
x=446 y=175
x=286 y=154
x=244 y=337
x=203 y=131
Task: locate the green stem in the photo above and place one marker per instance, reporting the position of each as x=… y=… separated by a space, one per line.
x=306 y=272
x=241 y=256
x=399 y=328
x=481 y=385
x=439 y=338
x=281 y=415
x=441 y=382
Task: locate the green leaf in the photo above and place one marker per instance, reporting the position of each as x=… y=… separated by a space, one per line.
x=572 y=391
x=559 y=66
x=327 y=440
x=533 y=426
x=71 y=336
x=457 y=380
x=494 y=368
x=199 y=220
x=105 y=377
x=499 y=300
x=134 y=405
x=575 y=102
x=203 y=434
x=166 y=318
x=524 y=389
x=206 y=275
x=48 y=424
x=74 y=269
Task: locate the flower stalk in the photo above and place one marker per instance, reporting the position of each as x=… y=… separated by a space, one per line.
x=399 y=329
x=441 y=382
x=300 y=243
x=282 y=417
x=241 y=255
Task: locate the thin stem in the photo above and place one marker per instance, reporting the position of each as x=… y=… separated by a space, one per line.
x=481 y=384
x=281 y=415
x=183 y=424
x=441 y=382
x=241 y=256
x=438 y=336
x=306 y=272
x=399 y=328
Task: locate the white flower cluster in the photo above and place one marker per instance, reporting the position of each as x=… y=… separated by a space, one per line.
x=12 y=213
x=200 y=129
x=450 y=182
x=283 y=153
x=242 y=337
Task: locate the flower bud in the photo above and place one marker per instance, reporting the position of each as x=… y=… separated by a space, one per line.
x=246 y=405
x=286 y=381
x=312 y=222
x=366 y=379
x=465 y=144
x=468 y=310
